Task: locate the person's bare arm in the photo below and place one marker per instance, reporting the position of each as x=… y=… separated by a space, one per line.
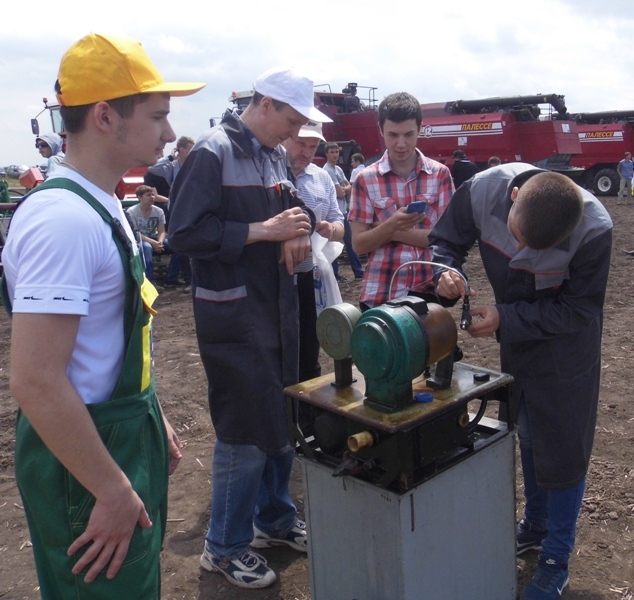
x=41 y=346
x=331 y=231
x=398 y=228
x=413 y=237
x=156 y=246
x=161 y=234
x=173 y=443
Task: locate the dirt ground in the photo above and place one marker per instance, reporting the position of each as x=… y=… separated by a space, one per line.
x=602 y=567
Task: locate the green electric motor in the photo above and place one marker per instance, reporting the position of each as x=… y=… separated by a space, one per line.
x=392 y=344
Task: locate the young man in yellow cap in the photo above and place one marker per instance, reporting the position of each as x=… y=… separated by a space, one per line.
x=93 y=451
x=235 y=214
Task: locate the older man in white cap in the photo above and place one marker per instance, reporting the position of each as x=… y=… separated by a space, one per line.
x=236 y=215
x=318 y=192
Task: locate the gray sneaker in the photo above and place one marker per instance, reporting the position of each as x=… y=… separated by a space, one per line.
x=247 y=571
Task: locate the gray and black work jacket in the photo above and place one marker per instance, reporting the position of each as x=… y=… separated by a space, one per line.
x=550 y=304
x=245 y=302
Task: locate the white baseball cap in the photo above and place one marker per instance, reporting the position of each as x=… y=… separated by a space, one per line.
x=286 y=85
x=312 y=129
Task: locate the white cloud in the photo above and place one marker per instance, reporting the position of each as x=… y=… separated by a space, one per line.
x=436 y=51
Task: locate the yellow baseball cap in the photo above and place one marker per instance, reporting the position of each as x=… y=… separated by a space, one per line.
x=104 y=67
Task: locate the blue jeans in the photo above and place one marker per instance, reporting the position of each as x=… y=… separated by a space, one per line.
x=174 y=266
x=556 y=510
x=249 y=486
x=353 y=257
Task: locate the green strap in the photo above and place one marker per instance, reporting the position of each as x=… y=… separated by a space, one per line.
x=123 y=243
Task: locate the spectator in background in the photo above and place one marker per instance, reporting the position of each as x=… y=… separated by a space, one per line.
x=494 y=161
x=625 y=169
x=351 y=102
x=381 y=225
x=317 y=191
x=356 y=160
x=168 y=167
x=161 y=176
x=149 y=221
x=343 y=188
x=462 y=168
x=50 y=145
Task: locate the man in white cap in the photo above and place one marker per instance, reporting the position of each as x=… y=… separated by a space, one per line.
x=318 y=192
x=236 y=215
x=93 y=451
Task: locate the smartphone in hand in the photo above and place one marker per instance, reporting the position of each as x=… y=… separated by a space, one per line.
x=416 y=207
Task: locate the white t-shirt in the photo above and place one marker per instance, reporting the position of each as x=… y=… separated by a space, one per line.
x=60 y=258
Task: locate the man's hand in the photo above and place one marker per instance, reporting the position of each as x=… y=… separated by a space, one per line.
x=488 y=325
x=110 y=528
x=451 y=285
x=173 y=445
x=294 y=251
x=325 y=229
x=292 y=223
x=156 y=246
x=401 y=220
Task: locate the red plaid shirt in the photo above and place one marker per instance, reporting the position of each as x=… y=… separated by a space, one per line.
x=377 y=194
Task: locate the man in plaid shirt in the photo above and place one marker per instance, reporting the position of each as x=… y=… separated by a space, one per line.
x=381 y=225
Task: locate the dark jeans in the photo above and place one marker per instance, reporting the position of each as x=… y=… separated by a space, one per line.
x=556 y=510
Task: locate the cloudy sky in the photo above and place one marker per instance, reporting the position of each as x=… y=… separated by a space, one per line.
x=438 y=51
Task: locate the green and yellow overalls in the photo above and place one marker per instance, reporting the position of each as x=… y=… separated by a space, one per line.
x=131 y=426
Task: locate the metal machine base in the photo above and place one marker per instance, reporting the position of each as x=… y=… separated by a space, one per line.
x=450 y=538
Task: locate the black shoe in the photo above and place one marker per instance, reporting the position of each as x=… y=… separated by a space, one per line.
x=341 y=279
x=174 y=284
x=630 y=252
x=529 y=537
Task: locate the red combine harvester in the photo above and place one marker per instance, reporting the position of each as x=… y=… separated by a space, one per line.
x=131 y=179
x=532 y=129
x=605 y=138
